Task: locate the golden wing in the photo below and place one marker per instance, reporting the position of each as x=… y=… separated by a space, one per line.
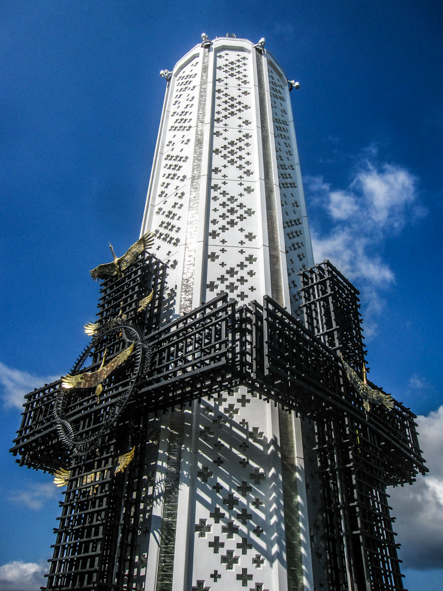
x=124 y=460
x=378 y=397
x=91 y=328
x=103 y=271
x=93 y=378
x=61 y=477
x=103 y=372
x=145 y=301
x=368 y=394
x=145 y=242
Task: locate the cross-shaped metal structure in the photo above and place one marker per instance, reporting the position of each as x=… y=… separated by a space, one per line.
x=215 y=348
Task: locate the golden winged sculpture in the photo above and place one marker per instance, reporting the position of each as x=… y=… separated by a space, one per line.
x=92 y=327
x=119 y=264
x=61 y=477
x=369 y=395
x=143 y=304
x=95 y=378
x=124 y=460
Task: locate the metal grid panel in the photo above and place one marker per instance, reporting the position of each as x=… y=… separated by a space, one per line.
x=103 y=532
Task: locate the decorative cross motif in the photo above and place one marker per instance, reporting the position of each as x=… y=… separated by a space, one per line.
x=199 y=587
x=219 y=420
x=244 y=546
x=217 y=515
x=204 y=473
x=257 y=476
x=230 y=410
x=216 y=544
x=257 y=503
x=215 y=575
x=231 y=500
x=230 y=529
x=243 y=400
x=258 y=561
x=244 y=488
x=217 y=487
x=256 y=434
x=202 y=528
x=244 y=577
x=229 y=559
x=244 y=516
x=258 y=531
x=218 y=461
x=258 y=587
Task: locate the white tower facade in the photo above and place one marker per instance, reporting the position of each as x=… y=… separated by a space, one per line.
x=227 y=205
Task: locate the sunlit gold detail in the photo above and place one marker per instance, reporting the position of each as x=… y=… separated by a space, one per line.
x=61 y=477
x=94 y=378
x=143 y=304
x=118 y=265
x=124 y=460
x=369 y=395
x=91 y=328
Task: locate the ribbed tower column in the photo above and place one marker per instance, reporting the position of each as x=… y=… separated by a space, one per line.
x=227 y=204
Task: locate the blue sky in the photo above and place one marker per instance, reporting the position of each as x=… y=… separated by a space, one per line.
x=80 y=103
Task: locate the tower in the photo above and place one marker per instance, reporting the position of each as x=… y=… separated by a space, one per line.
x=227 y=204
x=207 y=437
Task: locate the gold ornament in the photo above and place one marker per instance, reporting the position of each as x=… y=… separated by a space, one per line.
x=369 y=395
x=61 y=477
x=94 y=378
x=142 y=305
x=124 y=460
x=118 y=265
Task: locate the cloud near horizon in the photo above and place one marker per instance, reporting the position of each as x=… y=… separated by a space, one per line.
x=419 y=508
x=353 y=224
x=21 y=576
x=16 y=383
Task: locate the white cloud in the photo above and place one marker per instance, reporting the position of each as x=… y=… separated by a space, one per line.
x=35 y=496
x=419 y=508
x=380 y=200
x=17 y=383
x=21 y=576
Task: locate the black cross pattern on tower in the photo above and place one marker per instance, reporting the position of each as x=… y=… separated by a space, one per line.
x=244 y=488
x=230 y=529
x=258 y=561
x=200 y=587
x=230 y=501
x=258 y=531
x=256 y=435
x=216 y=544
x=217 y=514
x=215 y=575
x=244 y=545
x=244 y=516
x=257 y=503
x=257 y=476
x=244 y=577
x=204 y=474
x=229 y=559
x=202 y=528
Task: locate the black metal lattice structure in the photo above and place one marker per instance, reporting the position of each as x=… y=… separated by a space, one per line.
x=102 y=538
x=331 y=311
